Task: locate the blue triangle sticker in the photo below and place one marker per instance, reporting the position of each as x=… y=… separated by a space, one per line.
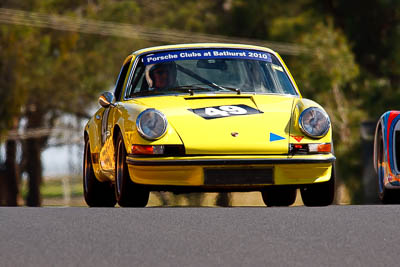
x=274 y=137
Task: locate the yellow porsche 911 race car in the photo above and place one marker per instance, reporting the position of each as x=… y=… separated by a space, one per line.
x=207 y=118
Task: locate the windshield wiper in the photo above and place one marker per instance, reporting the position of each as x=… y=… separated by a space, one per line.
x=237 y=90
x=216 y=86
x=189 y=88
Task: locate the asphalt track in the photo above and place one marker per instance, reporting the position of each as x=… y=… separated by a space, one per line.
x=294 y=236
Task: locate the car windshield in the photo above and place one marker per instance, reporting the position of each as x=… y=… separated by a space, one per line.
x=209 y=70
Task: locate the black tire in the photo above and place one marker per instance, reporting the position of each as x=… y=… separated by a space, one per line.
x=319 y=194
x=390 y=196
x=386 y=196
x=96 y=193
x=280 y=196
x=128 y=193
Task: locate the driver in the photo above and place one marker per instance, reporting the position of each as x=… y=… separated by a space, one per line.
x=161 y=76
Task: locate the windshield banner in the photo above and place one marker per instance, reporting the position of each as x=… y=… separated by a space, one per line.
x=206 y=54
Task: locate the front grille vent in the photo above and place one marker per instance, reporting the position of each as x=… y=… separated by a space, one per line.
x=236 y=176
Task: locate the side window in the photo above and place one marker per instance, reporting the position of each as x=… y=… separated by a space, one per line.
x=121 y=80
x=283 y=79
x=139 y=83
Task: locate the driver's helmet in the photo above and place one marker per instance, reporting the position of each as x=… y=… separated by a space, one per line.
x=161 y=76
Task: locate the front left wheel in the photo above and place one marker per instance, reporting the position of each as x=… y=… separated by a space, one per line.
x=96 y=193
x=280 y=196
x=128 y=193
x=319 y=194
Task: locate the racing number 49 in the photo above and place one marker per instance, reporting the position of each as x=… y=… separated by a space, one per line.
x=224 y=111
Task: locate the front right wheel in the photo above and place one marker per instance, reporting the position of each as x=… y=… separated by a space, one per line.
x=128 y=193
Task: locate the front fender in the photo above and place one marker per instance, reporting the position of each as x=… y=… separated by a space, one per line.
x=125 y=122
x=93 y=129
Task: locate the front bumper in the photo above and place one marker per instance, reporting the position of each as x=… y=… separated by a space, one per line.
x=193 y=170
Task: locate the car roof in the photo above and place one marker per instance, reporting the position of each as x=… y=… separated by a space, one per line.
x=200 y=45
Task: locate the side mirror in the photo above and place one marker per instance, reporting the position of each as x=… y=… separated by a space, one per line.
x=106 y=99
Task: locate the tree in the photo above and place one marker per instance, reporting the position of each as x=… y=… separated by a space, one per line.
x=12 y=95
x=52 y=73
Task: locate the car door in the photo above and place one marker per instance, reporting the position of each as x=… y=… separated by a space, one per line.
x=107 y=123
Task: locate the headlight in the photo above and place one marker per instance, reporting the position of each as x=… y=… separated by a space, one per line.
x=151 y=124
x=314 y=122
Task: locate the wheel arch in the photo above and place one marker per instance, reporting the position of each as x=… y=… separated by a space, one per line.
x=85 y=135
x=116 y=131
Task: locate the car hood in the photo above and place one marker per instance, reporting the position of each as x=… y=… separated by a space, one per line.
x=228 y=124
